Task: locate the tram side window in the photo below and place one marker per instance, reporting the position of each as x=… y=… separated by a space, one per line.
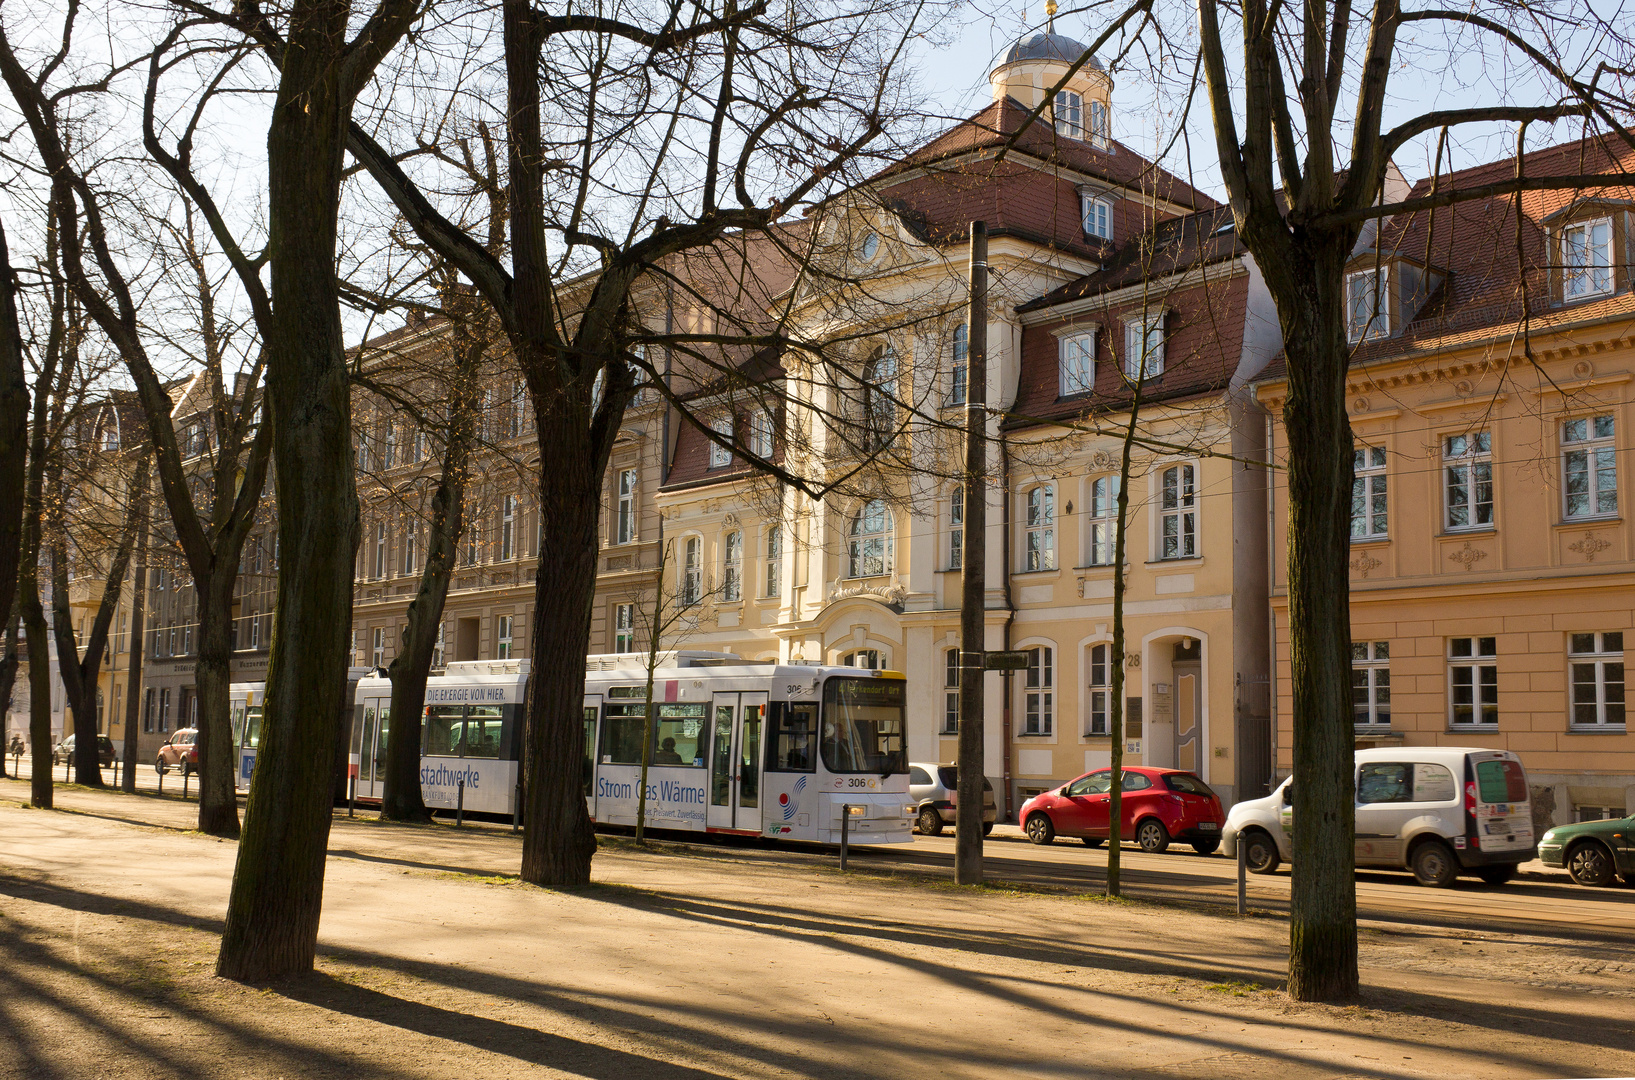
x=622 y=733
x=794 y=730
x=252 y=726
x=442 y=728
x=482 y=739
x=679 y=736
x=238 y=726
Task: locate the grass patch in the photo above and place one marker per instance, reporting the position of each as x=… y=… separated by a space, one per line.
x=480 y=879
x=1237 y=989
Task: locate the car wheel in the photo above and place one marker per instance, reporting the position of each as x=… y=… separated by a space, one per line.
x=1261 y=856
x=1093 y=841
x=187 y=768
x=1496 y=875
x=1040 y=830
x=1590 y=864
x=160 y=767
x=1206 y=847
x=987 y=828
x=1433 y=865
x=1152 y=836
x=930 y=821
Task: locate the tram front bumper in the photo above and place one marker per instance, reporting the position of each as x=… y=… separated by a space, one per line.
x=883 y=818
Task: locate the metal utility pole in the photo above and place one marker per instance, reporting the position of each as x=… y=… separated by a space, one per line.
x=973 y=603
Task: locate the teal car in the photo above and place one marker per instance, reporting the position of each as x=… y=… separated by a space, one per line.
x=1593 y=852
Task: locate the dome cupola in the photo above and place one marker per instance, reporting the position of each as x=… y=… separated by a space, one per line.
x=1082 y=108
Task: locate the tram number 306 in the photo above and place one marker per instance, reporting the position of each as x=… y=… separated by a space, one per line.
x=859 y=782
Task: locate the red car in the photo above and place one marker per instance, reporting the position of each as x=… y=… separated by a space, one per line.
x=181 y=752
x=1159 y=805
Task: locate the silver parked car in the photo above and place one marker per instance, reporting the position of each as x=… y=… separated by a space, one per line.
x=934 y=789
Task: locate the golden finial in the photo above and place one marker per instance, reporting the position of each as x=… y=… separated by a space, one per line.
x=1050 y=16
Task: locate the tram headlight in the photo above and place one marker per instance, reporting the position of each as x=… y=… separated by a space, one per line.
x=909 y=810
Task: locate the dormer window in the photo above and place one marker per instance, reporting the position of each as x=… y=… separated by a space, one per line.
x=720 y=456
x=1586 y=259
x=1144 y=346
x=1366 y=314
x=1098 y=216
x=1069 y=114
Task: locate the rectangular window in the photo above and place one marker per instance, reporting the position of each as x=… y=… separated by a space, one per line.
x=518 y=408
x=732 y=567
x=437 y=646
x=1098 y=214
x=1468 y=472
x=1069 y=114
x=1473 y=682
x=1098 y=124
x=379 y=653
x=473 y=543
x=956 y=529
x=624 y=628
x=1586 y=258
x=1178 y=511
x=627 y=507
x=1101 y=690
x=1365 y=313
x=1144 y=346
x=760 y=434
x=1039 y=707
x=959 y=370
x=147 y=709
x=411 y=542
x=1368 y=519
x=164 y=708
x=1589 y=467
x=502 y=634
x=380 y=552
x=508 y=521
x=692 y=571
x=1078 y=364
x=1596 y=662
x=1103 y=521
x=1371 y=684
x=774 y=560
x=720 y=456
x=255 y=631
x=1039 y=546
x=793 y=737
x=950 y=693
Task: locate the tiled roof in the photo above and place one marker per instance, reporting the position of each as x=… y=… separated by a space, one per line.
x=1171 y=245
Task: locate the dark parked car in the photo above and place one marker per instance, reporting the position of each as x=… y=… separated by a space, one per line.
x=1158 y=806
x=181 y=752
x=1592 y=851
x=65 y=750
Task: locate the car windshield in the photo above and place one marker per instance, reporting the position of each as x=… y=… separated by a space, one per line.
x=1187 y=783
x=863 y=726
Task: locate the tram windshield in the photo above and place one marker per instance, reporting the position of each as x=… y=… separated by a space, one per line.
x=863 y=726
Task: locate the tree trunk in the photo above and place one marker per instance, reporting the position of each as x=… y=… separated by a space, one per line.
x=272 y=915
x=13 y=437
x=1115 y=717
x=559 y=841
x=10 y=661
x=1323 y=920
x=133 y=673
x=78 y=679
x=213 y=675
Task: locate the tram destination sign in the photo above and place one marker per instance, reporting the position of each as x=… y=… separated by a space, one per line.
x=1002 y=660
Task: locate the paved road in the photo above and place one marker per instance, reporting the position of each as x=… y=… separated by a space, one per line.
x=1540 y=902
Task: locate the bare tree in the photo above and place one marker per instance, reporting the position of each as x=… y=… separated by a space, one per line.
x=14 y=402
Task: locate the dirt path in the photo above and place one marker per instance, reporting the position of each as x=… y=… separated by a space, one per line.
x=695 y=963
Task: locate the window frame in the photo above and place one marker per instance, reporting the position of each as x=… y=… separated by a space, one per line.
x=857 y=540
x=1600 y=455
x=774 y=560
x=1378 y=323
x=720 y=456
x=880 y=370
x=1184 y=513
x=508 y=528
x=950 y=692
x=1076 y=364
x=1586 y=271
x=691 y=571
x=625 y=530
x=1475 y=662
x=1039 y=691
x=959 y=367
x=1099 y=695
x=1101 y=518
x=760 y=434
x=1478 y=462
x=1372 y=661
x=1139 y=348
x=504 y=636
x=956 y=528
x=1598 y=658
x=1038 y=517
x=1093 y=207
x=1067 y=114
x=732 y=566
x=380 y=551
x=1099 y=115
x=1370 y=488
x=624 y=628
x=377 y=651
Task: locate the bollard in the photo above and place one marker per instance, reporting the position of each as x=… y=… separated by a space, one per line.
x=460 y=805
x=516 y=809
x=845 y=831
x=161 y=773
x=67 y=769
x=1243 y=876
x=352 y=800
x=186 y=776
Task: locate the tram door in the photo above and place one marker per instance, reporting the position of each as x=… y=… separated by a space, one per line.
x=738 y=723
x=369 y=747
x=592 y=710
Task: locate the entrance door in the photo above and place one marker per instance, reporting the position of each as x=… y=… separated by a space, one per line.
x=370 y=747
x=737 y=726
x=1188 y=716
x=592 y=710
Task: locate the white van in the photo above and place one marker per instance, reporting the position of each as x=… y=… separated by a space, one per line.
x=1436 y=810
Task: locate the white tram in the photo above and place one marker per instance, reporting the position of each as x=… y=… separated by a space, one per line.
x=761 y=749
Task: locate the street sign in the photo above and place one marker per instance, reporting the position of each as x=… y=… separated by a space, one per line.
x=1004 y=661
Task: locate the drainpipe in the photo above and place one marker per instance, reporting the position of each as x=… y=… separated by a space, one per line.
x=1271 y=608
x=1010 y=608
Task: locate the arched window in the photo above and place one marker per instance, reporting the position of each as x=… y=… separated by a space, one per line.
x=879 y=409
x=1178 y=509
x=863 y=658
x=692 y=571
x=958 y=372
x=732 y=569
x=1039 y=525
x=1103 y=515
x=869 y=552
